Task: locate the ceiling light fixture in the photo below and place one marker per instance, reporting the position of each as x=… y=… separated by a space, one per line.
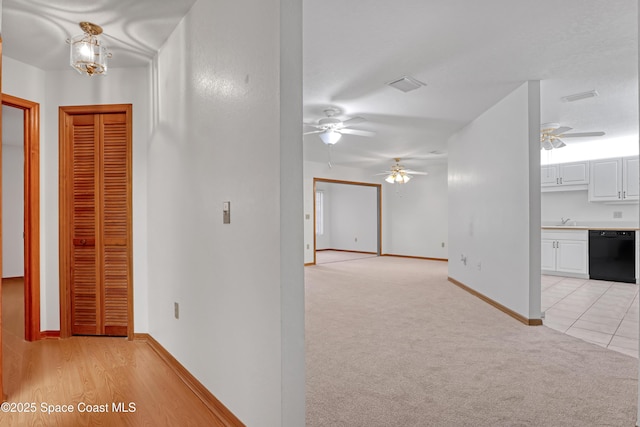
x=406 y=84
x=88 y=54
x=398 y=177
x=330 y=136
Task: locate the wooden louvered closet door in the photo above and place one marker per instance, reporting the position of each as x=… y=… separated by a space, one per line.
x=95 y=189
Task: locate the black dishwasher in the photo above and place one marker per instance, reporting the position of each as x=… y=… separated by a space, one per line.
x=612 y=255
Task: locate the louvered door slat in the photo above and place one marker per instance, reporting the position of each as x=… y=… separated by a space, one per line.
x=84 y=293
x=115 y=224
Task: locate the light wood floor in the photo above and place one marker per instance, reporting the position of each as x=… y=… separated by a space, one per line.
x=90 y=371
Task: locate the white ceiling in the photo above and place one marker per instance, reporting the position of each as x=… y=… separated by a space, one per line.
x=470 y=53
x=35 y=31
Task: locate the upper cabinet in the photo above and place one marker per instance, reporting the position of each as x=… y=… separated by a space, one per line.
x=614 y=180
x=565 y=176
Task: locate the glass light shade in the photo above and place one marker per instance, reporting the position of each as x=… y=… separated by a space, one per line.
x=390 y=179
x=88 y=55
x=330 y=137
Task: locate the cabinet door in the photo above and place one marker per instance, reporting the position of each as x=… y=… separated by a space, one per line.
x=548 y=255
x=606 y=180
x=574 y=173
x=571 y=256
x=549 y=175
x=630 y=178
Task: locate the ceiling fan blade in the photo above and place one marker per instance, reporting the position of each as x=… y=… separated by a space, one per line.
x=412 y=172
x=384 y=173
x=353 y=121
x=315 y=131
x=560 y=130
x=582 y=134
x=314 y=125
x=357 y=132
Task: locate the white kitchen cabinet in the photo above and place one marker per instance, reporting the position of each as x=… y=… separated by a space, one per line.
x=614 y=180
x=565 y=253
x=565 y=176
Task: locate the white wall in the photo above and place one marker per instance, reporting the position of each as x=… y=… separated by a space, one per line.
x=575 y=205
x=12 y=207
x=65 y=87
x=322 y=170
x=352 y=214
x=120 y=86
x=494 y=202
x=239 y=285
x=415 y=215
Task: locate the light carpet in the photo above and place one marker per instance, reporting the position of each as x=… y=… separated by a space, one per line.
x=390 y=342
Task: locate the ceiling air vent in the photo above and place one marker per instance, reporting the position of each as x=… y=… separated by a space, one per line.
x=579 y=96
x=406 y=84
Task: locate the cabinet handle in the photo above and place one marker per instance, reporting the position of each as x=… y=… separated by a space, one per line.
x=557 y=180
x=560 y=180
x=619 y=195
x=624 y=194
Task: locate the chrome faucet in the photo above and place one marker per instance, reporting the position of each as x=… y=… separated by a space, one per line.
x=564 y=221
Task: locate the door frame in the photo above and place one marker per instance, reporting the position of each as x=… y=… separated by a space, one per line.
x=338 y=181
x=65 y=215
x=31 y=111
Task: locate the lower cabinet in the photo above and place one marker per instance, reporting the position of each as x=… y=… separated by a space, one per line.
x=565 y=252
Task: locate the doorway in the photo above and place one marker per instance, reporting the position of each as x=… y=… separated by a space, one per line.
x=96 y=277
x=28 y=259
x=360 y=228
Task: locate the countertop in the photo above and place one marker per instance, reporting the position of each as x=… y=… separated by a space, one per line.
x=590 y=227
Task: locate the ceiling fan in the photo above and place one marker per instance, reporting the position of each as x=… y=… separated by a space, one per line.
x=550 y=134
x=399 y=174
x=331 y=129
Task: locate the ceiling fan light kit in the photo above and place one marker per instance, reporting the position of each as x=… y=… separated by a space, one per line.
x=330 y=137
x=88 y=54
x=330 y=129
x=551 y=134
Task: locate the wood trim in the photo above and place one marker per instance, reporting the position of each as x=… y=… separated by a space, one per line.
x=3 y=396
x=216 y=407
x=347 y=250
x=50 y=335
x=31 y=112
x=13 y=278
x=64 y=240
x=417 y=257
x=506 y=310
x=307 y=264
x=339 y=181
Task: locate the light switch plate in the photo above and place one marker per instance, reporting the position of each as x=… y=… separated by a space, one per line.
x=226 y=212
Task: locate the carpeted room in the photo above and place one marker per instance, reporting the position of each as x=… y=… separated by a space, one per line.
x=389 y=341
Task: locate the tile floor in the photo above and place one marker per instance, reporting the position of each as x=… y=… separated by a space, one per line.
x=604 y=313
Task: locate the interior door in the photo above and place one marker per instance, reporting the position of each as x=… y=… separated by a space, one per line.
x=96 y=261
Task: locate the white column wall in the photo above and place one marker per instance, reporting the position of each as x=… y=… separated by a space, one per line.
x=239 y=285
x=494 y=202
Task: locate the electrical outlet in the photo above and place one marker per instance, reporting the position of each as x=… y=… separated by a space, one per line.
x=307 y=246
x=356 y=239
x=617 y=214
x=443 y=244
x=176 y=310
x=307 y=216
